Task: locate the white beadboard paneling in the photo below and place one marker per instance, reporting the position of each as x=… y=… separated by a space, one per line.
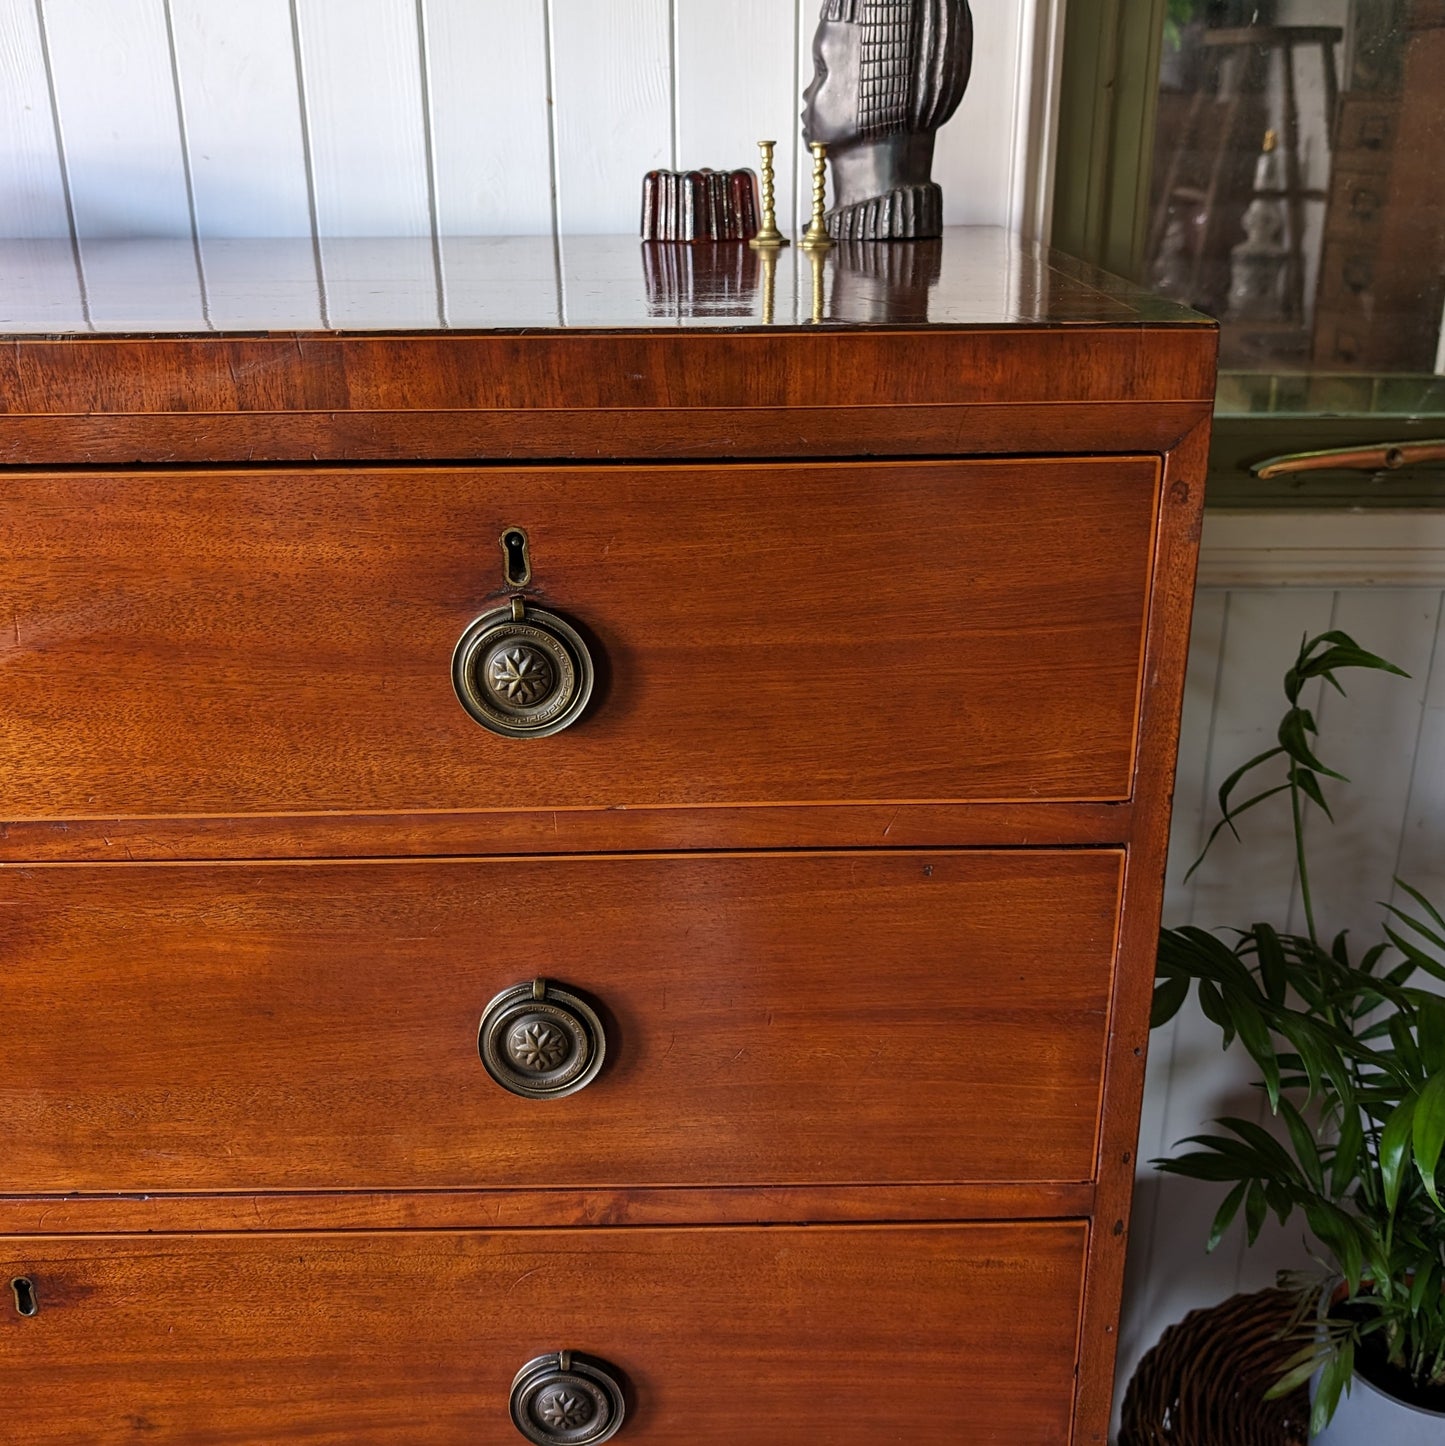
x=974 y=158
x=116 y=96
x=453 y=117
x=1194 y=805
x=736 y=85
x=32 y=188
x=1379 y=548
x=115 y=91
x=487 y=60
x=1422 y=842
x=362 y=73
x=612 y=73
x=806 y=23
x=237 y=73
x=1370 y=736
x=1242 y=881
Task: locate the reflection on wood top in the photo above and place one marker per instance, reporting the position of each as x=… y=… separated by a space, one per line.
x=972 y=278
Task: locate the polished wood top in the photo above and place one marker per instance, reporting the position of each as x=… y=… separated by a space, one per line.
x=975 y=277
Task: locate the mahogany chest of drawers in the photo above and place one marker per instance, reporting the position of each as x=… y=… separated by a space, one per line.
x=586 y=868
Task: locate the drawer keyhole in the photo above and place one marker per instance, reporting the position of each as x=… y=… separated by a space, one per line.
x=518 y=564
x=23 y=1290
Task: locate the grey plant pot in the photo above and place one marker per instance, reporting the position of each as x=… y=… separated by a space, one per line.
x=1368 y=1417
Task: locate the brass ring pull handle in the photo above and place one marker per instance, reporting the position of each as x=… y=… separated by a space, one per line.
x=522 y=672
x=567 y=1400
x=541 y=1042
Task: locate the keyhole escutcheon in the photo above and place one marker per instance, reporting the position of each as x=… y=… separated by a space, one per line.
x=23 y=1289
x=518 y=564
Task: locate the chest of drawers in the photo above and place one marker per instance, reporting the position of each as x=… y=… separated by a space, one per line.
x=750 y=1054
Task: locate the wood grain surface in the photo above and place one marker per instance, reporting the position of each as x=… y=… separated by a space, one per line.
x=776 y=1019
x=590 y=370
x=1172 y=607
x=337 y=1210
x=279 y=641
x=622 y=433
x=260 y=874
x=739 y=1337
x=574 y=830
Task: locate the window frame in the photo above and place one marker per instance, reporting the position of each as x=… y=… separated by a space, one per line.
x=1107 y=107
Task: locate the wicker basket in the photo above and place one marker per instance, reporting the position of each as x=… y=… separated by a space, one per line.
x=1204 y=1383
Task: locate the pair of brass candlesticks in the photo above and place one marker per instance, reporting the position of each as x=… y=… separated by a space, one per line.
x=816 y=237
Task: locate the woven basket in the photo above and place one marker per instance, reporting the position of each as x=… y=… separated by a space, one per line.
x=1204 y=1383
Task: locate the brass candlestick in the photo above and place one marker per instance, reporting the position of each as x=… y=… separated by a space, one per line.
x=769 y=238
x=816 y=238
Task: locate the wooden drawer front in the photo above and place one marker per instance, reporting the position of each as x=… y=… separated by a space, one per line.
x=856 y=1336
x=907 y=1017
x=281 y=641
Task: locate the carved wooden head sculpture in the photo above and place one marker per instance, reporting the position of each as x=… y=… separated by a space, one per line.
x=887 y=75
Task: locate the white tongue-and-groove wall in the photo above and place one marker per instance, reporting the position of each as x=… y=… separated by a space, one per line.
x=430 y=118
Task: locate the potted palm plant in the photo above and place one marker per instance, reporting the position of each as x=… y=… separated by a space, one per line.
x=1351 y=1054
